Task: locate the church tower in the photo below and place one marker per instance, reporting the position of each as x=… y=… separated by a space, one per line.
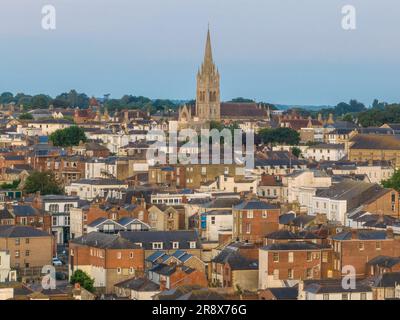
x=208 y=93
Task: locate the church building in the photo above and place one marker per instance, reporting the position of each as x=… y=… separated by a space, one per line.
x=208 y=106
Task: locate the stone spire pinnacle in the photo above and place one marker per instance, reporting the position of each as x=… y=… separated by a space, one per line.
x=208 y=59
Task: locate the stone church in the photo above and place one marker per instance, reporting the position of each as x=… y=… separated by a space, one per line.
x=208 y=105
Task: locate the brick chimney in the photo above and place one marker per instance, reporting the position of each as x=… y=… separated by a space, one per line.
x=163 y=285
x=354 y=234
x=389 y=233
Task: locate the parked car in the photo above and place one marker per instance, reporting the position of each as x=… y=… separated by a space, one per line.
x=57 y=262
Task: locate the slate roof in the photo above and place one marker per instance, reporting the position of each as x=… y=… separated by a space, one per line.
x=379 y=142
x=7 y=231
x=235 y=260
x=220 y=203
x=189 y=292
x=332 y=286
x=255 y=205
x=286 y=218
x=5 y=214
x=293 y=246
x=361 y=235
x=139 y=284
x=146 y=238
x=387 y=279
x=100 y=182
x=241 y=110
x=384 y=261
x=286 y=293
x=354 y=192
x=167 y=270
x=105 y=241
x=24 y=210
x=286 y=234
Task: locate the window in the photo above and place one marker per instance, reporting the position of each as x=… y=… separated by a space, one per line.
x=248 y=228
x=309 y=273
x=361 y=246
x=119 y=255
x=309 y=256
x=264 y=214
x=131 y=270
x=325 y=257
x=212 y=220
x=326 y=296
x=131 y=255
x=276 y=274
x=345 y=296
x=175 y=245
x=290 y=273
x=27 y=240
x=17 y=253
x=27 y=252
x=157 y=245
x=17 y=241
x=290 y=257
x=119 y=270
x=378 y=245
x=249 y=214
x=275 y=257
x=192 y=244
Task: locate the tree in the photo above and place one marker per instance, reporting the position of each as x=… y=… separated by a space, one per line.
x=242 y=100
x=393 y=182
x=41 y=101
x=45 y=182
x=296 y=152
x=348 y=117
x=11 y=186
x=280 y=136
x=67 y=137
x=25 y=116
x=83 y=279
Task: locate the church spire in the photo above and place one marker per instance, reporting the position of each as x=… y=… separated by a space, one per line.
x=208 y=59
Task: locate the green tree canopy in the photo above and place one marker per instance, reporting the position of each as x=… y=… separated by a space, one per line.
x=44 y=182
x=393 y=181
x=296 y=152
x=83 y=279
x=25 y=116
x=280 y=136
x=67 y=137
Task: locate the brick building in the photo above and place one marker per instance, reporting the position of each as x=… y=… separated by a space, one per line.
x=28 y=247
x=254 y=219
x=107 y=258
x=281 y=263
x=358 y=247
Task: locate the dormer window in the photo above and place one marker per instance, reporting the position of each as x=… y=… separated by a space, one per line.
x=157 y=245
x=192 y=244
x=175 y=245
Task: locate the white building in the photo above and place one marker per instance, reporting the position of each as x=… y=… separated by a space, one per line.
x=5 y=266
x=341 y=198
x=217 y=222
x=300 y=186
x=89 y=189
x=325 y=152
x=96 y=168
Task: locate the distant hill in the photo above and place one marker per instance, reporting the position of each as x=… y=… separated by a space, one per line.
x=305 y=107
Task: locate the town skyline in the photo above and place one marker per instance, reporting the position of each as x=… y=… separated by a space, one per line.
x=263 y=59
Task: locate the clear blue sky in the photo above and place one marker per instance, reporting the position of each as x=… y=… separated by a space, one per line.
x=281 y=51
